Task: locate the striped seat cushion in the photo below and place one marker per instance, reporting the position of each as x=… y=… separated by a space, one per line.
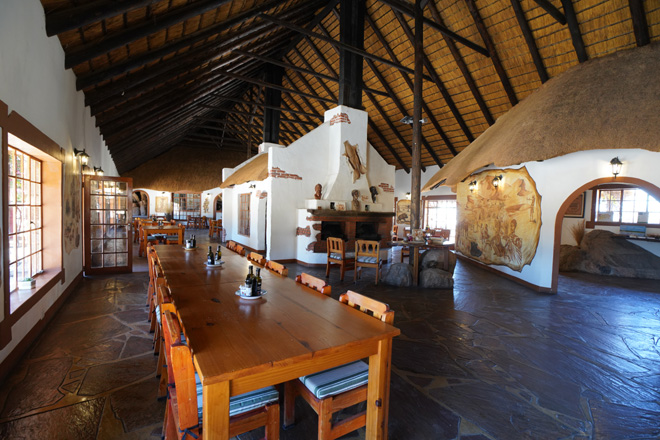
x=158 y=315
x=244 y=402
x=337 y=256
x=371 y=260
x=172 y=238
x=336 y=380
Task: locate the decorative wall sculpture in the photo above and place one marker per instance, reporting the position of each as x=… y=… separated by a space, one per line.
x=500 y=224
x=353 y=155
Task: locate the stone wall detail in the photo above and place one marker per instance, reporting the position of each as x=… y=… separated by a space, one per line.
x=278 y=173
x=339 y=118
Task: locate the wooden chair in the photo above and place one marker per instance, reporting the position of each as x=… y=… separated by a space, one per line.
x=215 y=228
x=367 y=254
x=190 y=221
x=338 y=256
x=177 y=238
x=183 y=416
x=257 y=259
x=164 y=300
x=314 y=283
x=276 y=267
x=151 y=289
x=320 y=389
x=440 y=232
x=395 y=233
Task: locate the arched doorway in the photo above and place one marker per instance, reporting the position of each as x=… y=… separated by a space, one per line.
x=140 y=204
x=559 y=220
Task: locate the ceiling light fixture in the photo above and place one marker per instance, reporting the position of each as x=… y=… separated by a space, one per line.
x=409 y=120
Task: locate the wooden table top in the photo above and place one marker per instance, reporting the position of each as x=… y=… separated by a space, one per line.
x=287 y=329
x=153 y=228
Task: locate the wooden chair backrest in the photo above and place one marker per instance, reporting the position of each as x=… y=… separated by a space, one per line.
x=257 y=258
x=274 y=266
x=367 y=248
x=240 y=250
x=395 y=231
x=180 y=366
x=314 y=283
x=444 y=233
x=336 y=246
x=370 y=306
x=231 y=245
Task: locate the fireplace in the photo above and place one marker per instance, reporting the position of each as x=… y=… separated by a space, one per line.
x=367 y=231
x=332 y=229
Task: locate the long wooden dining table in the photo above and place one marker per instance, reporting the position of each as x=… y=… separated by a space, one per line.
x=240 y=345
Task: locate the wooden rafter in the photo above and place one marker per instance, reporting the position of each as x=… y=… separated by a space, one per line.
x=640 y=26
x=574 y=29
x=529 y=39
x=550 y=9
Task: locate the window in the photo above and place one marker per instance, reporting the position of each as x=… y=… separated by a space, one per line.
x=624 y=205
x=440 y=212
x=244 y=214
x=184 y=205
x=24 y=216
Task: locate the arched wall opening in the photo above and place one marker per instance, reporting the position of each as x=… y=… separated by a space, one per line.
x=559 y=220
x=140 y=203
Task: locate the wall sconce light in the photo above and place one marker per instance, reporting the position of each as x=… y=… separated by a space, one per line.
x=407 y=196
x=496 y=180
x=98 y=171
x=84 y=157
x=616 y=166
x=253 y=186
x=472 y=185
x=84 y=169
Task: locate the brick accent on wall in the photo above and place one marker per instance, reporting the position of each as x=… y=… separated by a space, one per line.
x=277 y=173
x=262 y=194
x=386 y=187
x=306 y=231
x=338 y=119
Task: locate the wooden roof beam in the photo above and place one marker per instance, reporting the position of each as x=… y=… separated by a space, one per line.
x=550 y=9
x=529 y=39
x=405 y=8
x=337 y=44
x=97 y=48
x=460 y=62
x=68 y=19
x=408 y=81
x=574 y=29
x=436 y=79
x=231 y=98
x=640 y=26
x=495 y=58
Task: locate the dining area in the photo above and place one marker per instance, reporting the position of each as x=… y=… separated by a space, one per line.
x=268 y=343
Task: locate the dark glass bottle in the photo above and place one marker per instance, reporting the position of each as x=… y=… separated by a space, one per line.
x=218 y=254
x=194 y=242
x=249 y=279
x=210 y=258
x=258 y=281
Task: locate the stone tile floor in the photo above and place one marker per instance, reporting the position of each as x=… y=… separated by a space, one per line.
x=489 y=360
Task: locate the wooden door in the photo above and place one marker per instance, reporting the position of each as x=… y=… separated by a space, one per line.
x=108 y=220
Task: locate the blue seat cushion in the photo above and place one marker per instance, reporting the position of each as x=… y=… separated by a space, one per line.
x=337 y=256
x=158 y=318
x=370 y=260
x=172 y=237
x=336 y=380
x=242 y=403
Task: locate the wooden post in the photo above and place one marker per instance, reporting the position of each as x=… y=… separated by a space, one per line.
x=274 y=75
x=351 y=32
x=416 y=175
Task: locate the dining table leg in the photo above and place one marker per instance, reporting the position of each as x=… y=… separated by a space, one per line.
x=378 y=391
x=215 y=413
x=414 y=251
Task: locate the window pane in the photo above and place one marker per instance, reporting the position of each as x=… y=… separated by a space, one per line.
x=26 y=166
x=12 y=220
x=97 y=231
x=12 y=191
x=109 y=202
x=122 y=259
x=38 y=171
x=19 y=164
x=109 y=187
x=95 y=202
x=108 y=260
x=97 y=260
x=11 y=161
x=122 y=188
x=94 y=187
x=12 y=248
x=12 y=277
x=97 y=246
x=19 y=192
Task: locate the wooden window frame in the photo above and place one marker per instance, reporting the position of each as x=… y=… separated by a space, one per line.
x=426 y=199
x=187 y=212
x=613 y=187
x=34 y=256
x=244 y=214
x=52 y=158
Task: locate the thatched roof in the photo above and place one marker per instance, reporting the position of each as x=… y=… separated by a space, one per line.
x=256 y=169
x=184 y=169
x=166 y=73
x=607 y=103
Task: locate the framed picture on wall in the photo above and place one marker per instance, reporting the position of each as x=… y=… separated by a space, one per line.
x=576 y=208
x=403 y=212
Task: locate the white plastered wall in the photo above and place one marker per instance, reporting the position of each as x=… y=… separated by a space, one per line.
x=556 y=179
x=35 y=84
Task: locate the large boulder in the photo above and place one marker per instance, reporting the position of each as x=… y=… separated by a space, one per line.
x=435 y=258
x=601 y=252
x=399 y=274
x=436 y=279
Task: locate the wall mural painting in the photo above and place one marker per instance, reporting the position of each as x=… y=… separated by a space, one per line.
x=500 y=225
x=162 y=204
x=72 y=195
